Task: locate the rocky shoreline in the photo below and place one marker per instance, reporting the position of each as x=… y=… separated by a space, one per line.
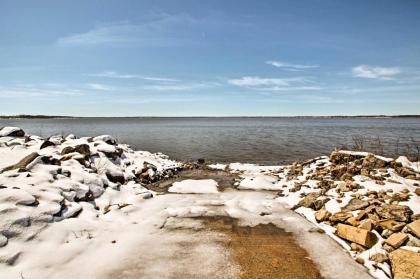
x=369 y=204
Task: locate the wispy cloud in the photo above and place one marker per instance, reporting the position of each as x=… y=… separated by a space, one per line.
x=366 y=71
x=162 y=30
x=100 y=87
x=115 y=75
x=14 y=92
x=290 y=66
x=180 y=86
x=275 y=84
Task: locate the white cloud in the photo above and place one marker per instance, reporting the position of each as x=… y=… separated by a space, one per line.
x=179 y=86
x=275 y=84
x=100 y=87
x=290 y=66
x=366 y=71
x=161 y=30
x=111 y=74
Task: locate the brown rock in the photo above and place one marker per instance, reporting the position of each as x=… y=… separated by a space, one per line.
x=340 y=216
x=397 y=239
x=22 y=164
x=396 y=212
x=357 y=247
x=309 y=200
x=81 y=148
x=367 y=225
x=356 y=204
x=322 y=215
x=361 y=215
x=417 y=191
x=379 y=258
x=391 y=225
x=405 y=264
x=352 y=221
x=360 y=260
x=414 y=228
x=357 y=235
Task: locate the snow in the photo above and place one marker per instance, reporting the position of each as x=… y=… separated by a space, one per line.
x=201 y=186
x=5 y=131
x=217 y=166
x=408 y=164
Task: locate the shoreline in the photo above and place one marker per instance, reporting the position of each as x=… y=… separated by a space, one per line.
x=74 y=194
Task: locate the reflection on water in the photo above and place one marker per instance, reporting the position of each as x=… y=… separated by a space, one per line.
x=261 y=140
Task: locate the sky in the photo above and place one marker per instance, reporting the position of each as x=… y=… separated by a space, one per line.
x=209 y=58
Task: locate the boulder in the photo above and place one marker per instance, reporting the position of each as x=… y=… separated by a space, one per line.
x=379 y=258
x=22 y=164
x=115 y=176
x=405 y=264
x=357 y=235
x=367 y=224
x=397 y=239
x=414 y=228
x=395 y=212
x=391 y=225
x=46 y=144
x=81 y=148
x=322 y=215
x=11 y=132
x=309 y=200
x=356 y=204
x=3 y=240
x=340 y=217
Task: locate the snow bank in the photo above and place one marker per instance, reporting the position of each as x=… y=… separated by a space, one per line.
x=202 y=186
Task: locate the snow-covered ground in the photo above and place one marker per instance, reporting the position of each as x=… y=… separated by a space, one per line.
x=80 y=208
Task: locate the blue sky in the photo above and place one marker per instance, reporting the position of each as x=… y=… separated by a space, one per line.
x=209 y=58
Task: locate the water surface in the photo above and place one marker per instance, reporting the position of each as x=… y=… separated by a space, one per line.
x=260 y=140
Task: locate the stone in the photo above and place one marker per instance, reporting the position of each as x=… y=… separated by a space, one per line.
x=391 y=225
x=395 y=212
x=414 y=228
x=357 y=247
x=309 y=200
x=417 y=191
x=405 y=264
x=46 y=144
x=22 y=164
x=356 y=204
x=352 y=221
x=3 y=240
x=11 y=132
x=379 y=258
x=367 y=224
x=81 y=148
x=115 y=176
x=413 y=241
x=322 y=215
x=360 y=260
x=362 y=214
x=357 y=235
x=340 y=217
x=397 y=239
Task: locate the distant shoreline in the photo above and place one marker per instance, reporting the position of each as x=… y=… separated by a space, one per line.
x=24 y=116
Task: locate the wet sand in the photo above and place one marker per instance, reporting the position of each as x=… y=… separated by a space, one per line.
x=264 y=251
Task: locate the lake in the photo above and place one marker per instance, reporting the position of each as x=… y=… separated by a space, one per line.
x=269 y=140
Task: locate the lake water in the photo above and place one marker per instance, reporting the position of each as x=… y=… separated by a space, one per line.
x=259 y=140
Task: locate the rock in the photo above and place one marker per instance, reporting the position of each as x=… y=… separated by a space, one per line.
x=367 y=225
x=81 y=148
x=373 y=162
x=22 y=164
x=417 y=191
x=356 y=204
x=11 y=132
x=357 y=235
x=397 y=239
x=322 y=215
x=405 y=264
x=3 y=240
x=46 y=144
x=357 y=247
x=413 y=241
x=395 y=212
x=340 y=216
x=391 y=225
x=379 y=258
x=309 y=200
x=414 y=228
x=352 y=221
x=360 y=260
x=362 y=214
x=115 y=176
